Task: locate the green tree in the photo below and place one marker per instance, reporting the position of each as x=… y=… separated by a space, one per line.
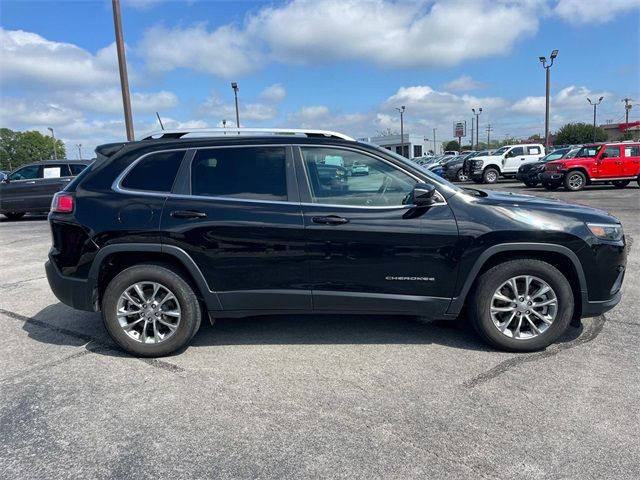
x=18 y=148
x=452 y=145
x=574 y=133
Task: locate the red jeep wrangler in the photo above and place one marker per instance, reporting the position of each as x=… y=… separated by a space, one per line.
x=618 y=163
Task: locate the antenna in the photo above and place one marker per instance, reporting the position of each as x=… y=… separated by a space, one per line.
x=159 y=120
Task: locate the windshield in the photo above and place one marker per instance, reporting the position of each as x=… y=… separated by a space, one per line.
x=555 y=155
x=588 y=152
x=572 y=153
x=500 y=151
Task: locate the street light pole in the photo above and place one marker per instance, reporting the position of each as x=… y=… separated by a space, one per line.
x=477 y=114
x=472 y=133
x=79 y=145
x=53 y=137
x=595 y=107
x=434 y=141
x=122 y=66
x=401 y=110
x=543 y=60
x=234 y=85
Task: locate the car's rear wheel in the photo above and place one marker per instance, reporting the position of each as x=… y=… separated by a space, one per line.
x=575 y=181
x=14 y=215
x=150 y=311
x=461 y=176
x=490 y=175
x=550 y=186
x=521 y=305
x=621 y=183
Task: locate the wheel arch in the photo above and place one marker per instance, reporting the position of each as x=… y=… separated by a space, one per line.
x=113 y=259
x=581 y=170
x=560 y=256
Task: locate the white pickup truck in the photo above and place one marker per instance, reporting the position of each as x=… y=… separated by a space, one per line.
x=504 y=162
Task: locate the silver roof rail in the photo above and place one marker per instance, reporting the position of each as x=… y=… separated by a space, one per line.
x=216 y=132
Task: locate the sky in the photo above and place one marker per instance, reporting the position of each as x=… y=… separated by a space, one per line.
x=334 y=64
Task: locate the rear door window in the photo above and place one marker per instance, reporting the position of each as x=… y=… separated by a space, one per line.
x=155 y=172
x=252 y=173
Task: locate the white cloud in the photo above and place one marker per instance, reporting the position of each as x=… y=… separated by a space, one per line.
x=110 y=101
x=463 y=83
x=225 y=52
x=568 y=100
x=28 y=59
x=583 y=11
x=20 y=111
x=275 y=93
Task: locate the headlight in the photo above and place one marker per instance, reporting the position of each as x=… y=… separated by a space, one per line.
x=606 y=231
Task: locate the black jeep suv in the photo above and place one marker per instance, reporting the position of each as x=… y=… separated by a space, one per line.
x=159 y=232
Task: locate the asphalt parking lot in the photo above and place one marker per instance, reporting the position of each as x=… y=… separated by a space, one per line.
x=314 y=396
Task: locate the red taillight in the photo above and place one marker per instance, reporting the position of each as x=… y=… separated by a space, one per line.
x=62 y=203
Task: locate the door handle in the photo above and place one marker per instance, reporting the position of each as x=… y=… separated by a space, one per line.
x=66 y=179
x=330 y=220
x=187 y=214
x=31 y=182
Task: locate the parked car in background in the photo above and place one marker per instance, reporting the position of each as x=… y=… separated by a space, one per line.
x=30 y=188
x=451 y=152
x=453 y=168
x=528 y=173
x=618 y=163
x=358 y=169
x=504 y=162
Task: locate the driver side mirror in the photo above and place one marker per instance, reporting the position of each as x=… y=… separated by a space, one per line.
x=5 y=180
x=423 y=194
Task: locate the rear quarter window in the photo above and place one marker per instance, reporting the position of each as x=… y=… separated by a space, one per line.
x=155 y=172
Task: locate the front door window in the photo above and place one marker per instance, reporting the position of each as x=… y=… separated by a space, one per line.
x=345 y=177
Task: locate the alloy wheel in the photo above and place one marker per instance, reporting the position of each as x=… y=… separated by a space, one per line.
x=148 y=312
x=524 y=307
x=575 y=181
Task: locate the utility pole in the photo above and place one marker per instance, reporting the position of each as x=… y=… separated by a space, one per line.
x=477 y=114
x=401 y=110
x=489 y=128
x=595 y=107
x=234 y=85
x=627 y=109
x=79 y=145
x=53 y=137
x=434 y=141
x=472 y=134
x=543 y=60
x=122 y=66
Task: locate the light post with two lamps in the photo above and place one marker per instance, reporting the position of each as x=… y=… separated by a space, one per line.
x=543 y=60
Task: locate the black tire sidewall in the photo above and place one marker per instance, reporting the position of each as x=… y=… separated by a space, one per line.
x=14 y=215
x=488 y=283
x=189 y=308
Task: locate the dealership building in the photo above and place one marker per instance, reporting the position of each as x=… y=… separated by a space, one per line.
x=414 y=145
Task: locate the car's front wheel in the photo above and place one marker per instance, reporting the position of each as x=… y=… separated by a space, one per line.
x=461 y=176
x=150 y=311
x=575 y=181
x=530 y=184
x=490 y=175
x=521 y=305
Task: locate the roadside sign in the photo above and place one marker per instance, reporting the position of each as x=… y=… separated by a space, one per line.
x=460 y=129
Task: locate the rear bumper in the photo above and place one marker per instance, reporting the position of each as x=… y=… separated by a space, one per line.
x=75 y=292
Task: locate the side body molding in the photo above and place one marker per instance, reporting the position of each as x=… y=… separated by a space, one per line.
x=210 y=298
x=458 y=302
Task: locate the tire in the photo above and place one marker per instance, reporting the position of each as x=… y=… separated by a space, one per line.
x=461 y=176
x=490 y=175
x=185 y=303
x=621 y=183
x=495 y=280
x=550 y=186
x=575 y=180
x=530 y=184
x=14 y=215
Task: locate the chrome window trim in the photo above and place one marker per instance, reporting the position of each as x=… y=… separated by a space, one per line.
x=117 y=183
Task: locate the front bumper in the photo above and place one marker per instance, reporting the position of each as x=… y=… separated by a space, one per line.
x=550 y=177
x=594 y=309
x=75 y=292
